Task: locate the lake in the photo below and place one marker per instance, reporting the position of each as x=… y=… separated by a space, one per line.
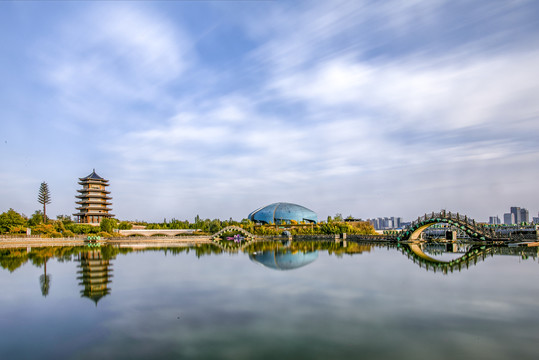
x=271 y=300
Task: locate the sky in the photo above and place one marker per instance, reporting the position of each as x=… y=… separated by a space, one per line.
x=216 y=108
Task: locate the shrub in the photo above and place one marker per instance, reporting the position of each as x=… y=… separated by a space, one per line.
x=124 y=225
x=69 y=233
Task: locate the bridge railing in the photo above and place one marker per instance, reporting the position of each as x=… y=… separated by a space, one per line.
x=448 y=215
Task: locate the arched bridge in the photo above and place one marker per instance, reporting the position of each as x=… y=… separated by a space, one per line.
x=230 y=245
x=232 y=228
x=465 y=224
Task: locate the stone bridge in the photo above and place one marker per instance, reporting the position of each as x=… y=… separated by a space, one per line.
x=152 y=232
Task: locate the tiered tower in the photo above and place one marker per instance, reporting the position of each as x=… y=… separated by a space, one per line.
x=93 y=199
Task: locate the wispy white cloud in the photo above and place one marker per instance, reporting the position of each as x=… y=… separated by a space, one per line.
x=341 y=106
x=424 y=92
x=112 y=58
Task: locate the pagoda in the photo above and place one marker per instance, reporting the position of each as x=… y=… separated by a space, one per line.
x=93 y=200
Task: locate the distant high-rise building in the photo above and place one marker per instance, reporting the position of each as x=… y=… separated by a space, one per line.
x=524 y=215
x=508 y=219
x=536 y=220
x=515 y=210
x=386 y=223
x=494 y=220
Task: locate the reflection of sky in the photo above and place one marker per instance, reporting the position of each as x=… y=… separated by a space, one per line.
x=445 y=252
x=377 y=304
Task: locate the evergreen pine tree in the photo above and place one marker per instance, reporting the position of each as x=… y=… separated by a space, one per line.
x=44 y=198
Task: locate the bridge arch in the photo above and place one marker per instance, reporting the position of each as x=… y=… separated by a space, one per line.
x=467 y=225
x=242 y=231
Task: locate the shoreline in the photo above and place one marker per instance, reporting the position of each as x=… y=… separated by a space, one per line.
x=180 y=241
x=21 y=242
x=7 y=243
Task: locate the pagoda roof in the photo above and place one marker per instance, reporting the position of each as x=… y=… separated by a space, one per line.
x=100 y=195
x=93 y=176
x=93 y=213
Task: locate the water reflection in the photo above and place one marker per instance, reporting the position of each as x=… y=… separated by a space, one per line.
x=45 y=280
x=200 y=301
x=95 y=274
x=94 y=269
x=283 y=259
x=450 y=257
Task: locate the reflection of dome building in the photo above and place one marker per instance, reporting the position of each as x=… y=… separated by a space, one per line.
x=283 y=212
x=95 y=273
x=284 y=260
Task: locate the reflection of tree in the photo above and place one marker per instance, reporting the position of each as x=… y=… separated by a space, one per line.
x=39 y=258
x=12 y=259
x=332 y=247
x=45 y=281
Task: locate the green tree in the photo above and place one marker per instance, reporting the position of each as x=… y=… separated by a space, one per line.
x=44 y=198
x=107 y=225
x=124 y=225
x=36 y=218
x=65 y=219
x=11 y=219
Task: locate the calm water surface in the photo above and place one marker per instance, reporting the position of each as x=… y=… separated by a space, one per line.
x=312 y=301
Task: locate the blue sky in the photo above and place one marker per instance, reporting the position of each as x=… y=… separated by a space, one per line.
x=216 y=108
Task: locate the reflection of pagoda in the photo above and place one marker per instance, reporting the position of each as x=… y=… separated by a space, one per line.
x=95 y=273
x=93 y=199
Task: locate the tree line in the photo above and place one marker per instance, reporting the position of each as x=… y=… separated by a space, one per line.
x=15 y=224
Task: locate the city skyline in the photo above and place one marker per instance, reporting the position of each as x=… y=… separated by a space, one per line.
x=218 y=108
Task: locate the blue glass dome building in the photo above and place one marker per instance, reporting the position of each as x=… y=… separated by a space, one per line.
x=280 y=212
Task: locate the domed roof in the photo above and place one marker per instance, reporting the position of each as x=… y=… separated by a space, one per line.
x=281 y=211
x=284 y=260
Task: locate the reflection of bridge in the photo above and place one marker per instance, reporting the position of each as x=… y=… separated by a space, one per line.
x=469 y=226
x=231 y=245
x=474 y=254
